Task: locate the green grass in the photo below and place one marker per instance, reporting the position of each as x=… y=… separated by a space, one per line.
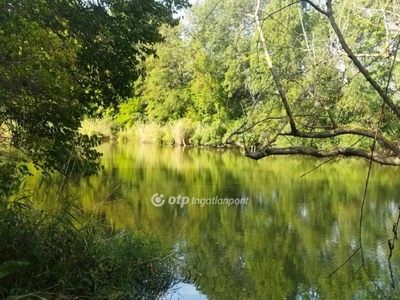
x=64 y=256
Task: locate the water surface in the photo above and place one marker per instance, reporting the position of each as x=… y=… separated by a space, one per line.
x=283 y=244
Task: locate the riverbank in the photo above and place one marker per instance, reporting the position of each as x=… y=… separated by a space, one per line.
x=182 y=132
x=186 y=132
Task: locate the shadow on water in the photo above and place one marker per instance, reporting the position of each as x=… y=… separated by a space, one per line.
x=282 y=244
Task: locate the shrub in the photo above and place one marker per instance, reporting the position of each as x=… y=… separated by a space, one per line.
x=66 y=256
x=153 y=133
x=103 y=128
x=209 y=134
x=182 y=130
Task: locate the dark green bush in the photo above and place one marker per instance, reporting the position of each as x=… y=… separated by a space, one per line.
x=58 y=257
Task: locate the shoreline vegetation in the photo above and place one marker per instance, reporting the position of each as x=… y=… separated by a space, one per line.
x=67 y=254
x=182 y=132
x=186 y=132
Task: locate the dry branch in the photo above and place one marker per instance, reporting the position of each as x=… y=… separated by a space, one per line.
x=338 y=151
x=363 y=70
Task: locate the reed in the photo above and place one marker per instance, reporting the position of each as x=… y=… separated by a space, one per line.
x=69 y=255
x=103 y=128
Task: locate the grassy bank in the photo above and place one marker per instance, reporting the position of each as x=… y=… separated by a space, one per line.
x=186 y=132
x=69 y=256
x=181 y=132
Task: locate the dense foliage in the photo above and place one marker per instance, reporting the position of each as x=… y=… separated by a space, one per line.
x=61 y=60
x=315 y=79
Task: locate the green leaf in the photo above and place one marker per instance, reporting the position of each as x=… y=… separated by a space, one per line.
x=11 y=266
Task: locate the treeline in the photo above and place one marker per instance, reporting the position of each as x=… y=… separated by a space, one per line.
x=196 y=88
x=210 y=76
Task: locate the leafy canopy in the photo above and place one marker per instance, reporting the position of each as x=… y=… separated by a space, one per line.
x=61 y=60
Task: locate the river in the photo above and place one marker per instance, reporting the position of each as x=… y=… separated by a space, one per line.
x=255 y=229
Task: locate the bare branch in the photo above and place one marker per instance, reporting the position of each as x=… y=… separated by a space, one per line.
x=315 y=6
x=350 y=131
x=383 y=55
x=358 y=64
x=338 y=151
x=279 y=87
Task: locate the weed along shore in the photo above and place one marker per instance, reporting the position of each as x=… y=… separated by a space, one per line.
x=73 y=255
x=179 y=133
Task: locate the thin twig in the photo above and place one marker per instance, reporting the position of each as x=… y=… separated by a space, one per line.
x=345 y=262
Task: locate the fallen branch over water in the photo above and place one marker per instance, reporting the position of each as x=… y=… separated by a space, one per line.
x=338 y=151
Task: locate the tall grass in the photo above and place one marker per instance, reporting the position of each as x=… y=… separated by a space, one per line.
x=103 y=128
x=70 y=256
x=181 y=132
x=126 y=134
x=150 y=133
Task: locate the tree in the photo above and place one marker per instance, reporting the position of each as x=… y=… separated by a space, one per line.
x=60 y=61
x=171 y=72
x=336 y=87
x=221 y=32
x=202 y=69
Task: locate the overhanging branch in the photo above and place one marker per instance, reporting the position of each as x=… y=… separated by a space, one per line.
x=350 y=131
x=385 y=97
x=338 y=151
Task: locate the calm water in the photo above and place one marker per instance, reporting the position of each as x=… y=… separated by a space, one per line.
x=283 y=243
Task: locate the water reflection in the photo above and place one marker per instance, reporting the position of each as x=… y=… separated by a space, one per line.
x=283 y=244
x=184 y=291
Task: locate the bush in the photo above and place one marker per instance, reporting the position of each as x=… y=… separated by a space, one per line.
x=61 y=256
x=209 y=134
x=153 y=133
x=103 y=128
x=182 y=130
